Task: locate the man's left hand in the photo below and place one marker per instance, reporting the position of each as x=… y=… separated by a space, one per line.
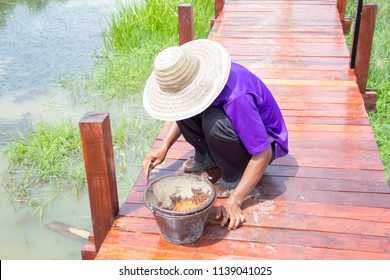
x=230 y=210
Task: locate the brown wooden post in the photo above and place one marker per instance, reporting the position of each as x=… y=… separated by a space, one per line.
x=218 y=6
x=346 y=22
x=186 y=23
x=95 y=131
x=341 y=7
x=364 y=44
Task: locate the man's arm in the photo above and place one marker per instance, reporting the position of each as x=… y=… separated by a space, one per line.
x=158 y=156
x=231 y=209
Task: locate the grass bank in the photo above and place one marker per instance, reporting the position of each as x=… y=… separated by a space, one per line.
x=379 y=77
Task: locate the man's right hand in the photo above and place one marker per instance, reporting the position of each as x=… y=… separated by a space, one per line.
x=154 y=158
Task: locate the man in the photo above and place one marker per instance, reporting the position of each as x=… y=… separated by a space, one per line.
x=224 y=111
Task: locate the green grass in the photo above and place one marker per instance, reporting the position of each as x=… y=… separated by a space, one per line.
x=379 y=77
x=44 y=162
x=133 y=38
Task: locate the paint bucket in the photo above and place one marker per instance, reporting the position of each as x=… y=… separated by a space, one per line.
x=164 y=194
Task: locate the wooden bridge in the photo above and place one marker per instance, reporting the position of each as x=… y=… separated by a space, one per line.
x=328 y=199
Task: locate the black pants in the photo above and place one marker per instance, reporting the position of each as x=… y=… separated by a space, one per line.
x=212 y=135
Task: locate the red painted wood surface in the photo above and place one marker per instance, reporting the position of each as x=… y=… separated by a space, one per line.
x=366 y=35
x=95 y=131
x=329 y=198
x=186 y=23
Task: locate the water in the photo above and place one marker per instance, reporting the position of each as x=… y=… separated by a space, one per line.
x=40 y=43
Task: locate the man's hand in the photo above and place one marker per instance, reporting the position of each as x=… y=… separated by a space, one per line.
x=230 y=210
x=153 y=159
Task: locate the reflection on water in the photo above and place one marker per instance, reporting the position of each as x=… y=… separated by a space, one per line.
x=41 y=42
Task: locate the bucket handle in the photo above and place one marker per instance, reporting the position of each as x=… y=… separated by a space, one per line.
x=152 y=209
x=205 y=177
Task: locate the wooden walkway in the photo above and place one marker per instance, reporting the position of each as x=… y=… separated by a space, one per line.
x=329 y=198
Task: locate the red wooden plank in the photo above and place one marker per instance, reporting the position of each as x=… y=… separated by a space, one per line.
x=279 y=2
x=343 y=136
x=289 y=49
x=329 y=128
x=368 y=176
x=258 y=208
x=294 y=63
x=350 y=91
x=323 y=99
x=276 y=35
x=347 y=136
x=365 y=160
x=325 y=173
x=322 y=106
x=263 y=214
x=291 y=191
x=284 y=8
x=307 y=144
x=143 y=246
x=303 y=21
x=330 y=121
x=152 y=246
x=307 y=238
x=342 y=158
x=328 y=76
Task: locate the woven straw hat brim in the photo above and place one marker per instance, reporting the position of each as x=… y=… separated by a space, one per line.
x=214 y=69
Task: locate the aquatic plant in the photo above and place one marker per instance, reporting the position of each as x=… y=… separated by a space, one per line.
x=44 y=162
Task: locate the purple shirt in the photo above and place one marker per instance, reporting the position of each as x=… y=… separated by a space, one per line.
x=253 y=111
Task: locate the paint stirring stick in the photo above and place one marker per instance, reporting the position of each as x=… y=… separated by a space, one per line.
x=150 y=167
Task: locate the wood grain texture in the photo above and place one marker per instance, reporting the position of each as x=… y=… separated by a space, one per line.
x=95 y=131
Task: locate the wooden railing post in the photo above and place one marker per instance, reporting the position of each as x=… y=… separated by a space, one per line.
x=346 y=22
x=218 y=6
x=95 y=131
x=364 y=44
x=363 y=47
x=186 y=23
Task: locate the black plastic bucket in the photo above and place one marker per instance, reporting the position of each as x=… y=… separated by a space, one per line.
x=179 y=227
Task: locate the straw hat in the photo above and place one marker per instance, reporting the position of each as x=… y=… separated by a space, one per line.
x=186 y=80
